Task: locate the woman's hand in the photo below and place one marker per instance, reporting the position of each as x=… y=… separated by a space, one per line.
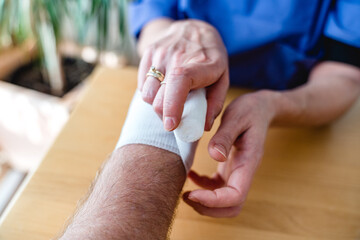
x=238 y=144
x=192 y=55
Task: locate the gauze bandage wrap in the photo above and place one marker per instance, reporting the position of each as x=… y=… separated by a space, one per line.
x=192 y=124
x=143 y=126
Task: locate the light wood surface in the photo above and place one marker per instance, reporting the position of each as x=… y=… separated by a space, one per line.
x=307 y=187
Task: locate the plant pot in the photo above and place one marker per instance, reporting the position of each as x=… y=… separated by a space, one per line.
x=32 y=76
x=31 y=115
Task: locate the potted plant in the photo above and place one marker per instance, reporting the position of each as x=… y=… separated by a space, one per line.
x=97 y=25
x=50 y=46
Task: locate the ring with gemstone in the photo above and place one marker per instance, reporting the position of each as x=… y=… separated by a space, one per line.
x=155 y=73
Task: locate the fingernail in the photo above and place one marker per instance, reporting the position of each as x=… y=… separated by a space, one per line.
x=221 y=150
x=169 y=123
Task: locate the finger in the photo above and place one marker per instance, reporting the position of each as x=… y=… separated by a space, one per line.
x=179 y=81
x=159 y=100
x=150 y=89
x=152 y=84
x=230 y=129
x=206 y=182
x=144 y=67
x=219 y=198
x=212 y=212
x=216 y=95
x=178 y=85
x=238 y=184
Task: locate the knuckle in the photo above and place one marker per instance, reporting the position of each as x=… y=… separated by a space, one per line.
x=152 y=47
x=237 y=115
x=176 y=48
x=161 y=51
x=171 y=49
x=229 y=114
x=182 y=74
x=200 y=56
x=177 y=59
x=179 y=70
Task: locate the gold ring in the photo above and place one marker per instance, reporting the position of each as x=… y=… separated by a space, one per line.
x=156 y=74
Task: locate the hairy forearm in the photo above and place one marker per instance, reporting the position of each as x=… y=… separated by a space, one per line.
x=331 y=90
x=134 y=196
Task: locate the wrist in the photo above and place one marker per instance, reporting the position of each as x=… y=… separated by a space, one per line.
x=284 y=107
x=271 y=104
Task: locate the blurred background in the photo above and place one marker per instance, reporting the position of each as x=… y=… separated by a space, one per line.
x=47 y=51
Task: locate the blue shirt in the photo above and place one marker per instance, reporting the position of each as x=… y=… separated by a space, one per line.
x=271 y=43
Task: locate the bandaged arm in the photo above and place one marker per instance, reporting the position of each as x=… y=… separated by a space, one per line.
x=141 y=179
x=143 y=126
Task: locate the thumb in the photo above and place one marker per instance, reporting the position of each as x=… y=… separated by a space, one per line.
x=229 y=130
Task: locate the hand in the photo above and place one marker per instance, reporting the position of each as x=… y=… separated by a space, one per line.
x=238 y=145
x=192 y=55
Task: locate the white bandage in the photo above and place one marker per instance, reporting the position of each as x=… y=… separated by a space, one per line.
x=143 y=126
x=192 y=124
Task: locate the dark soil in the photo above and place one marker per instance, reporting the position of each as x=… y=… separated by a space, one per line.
x=33 y=76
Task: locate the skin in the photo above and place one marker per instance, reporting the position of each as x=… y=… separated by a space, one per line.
x=133 y=196
x=331 y=90
x=238 y=144
x=192 y=55
x=136 y=192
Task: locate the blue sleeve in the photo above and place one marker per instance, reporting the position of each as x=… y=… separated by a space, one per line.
x=143 y=11
x=343 y=23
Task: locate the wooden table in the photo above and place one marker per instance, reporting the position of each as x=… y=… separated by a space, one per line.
x=308 y=186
